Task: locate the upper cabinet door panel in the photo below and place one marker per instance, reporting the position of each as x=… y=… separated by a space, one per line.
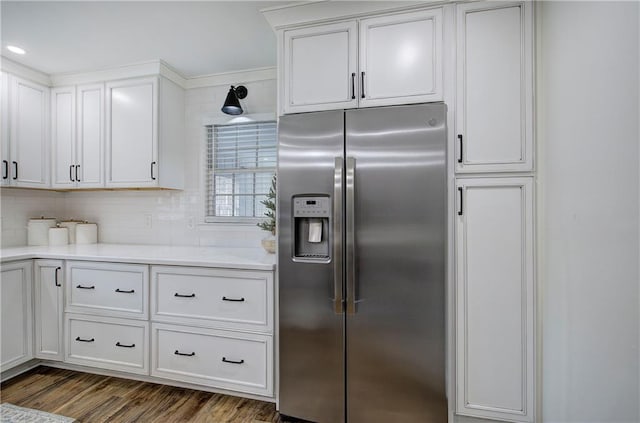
x=63 y=139
x=4 y=129
x=494 y=87
x=91 y=136
x=401 y=58
x=132 y=132
x=29 y=140
x=320 y=69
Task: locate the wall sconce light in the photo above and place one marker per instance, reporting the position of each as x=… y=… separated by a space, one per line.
x=231 y=105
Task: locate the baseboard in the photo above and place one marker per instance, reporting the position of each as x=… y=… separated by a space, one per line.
x=18 y=370
x=149 y=379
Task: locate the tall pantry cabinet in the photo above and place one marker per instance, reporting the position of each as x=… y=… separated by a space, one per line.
x=494 y=224
x=477 y=57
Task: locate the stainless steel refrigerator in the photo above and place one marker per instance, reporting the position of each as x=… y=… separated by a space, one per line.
x=361 y=259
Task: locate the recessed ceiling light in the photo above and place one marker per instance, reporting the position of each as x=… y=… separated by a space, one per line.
x=16 y=50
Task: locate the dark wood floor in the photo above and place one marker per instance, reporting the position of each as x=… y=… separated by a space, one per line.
x=92 y=399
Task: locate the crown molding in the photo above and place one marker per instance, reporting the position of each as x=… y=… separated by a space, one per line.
x=135 y=70
x=301 y=13
x=232 y=78
x=15 y=68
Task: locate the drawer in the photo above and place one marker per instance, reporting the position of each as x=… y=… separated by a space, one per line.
x=217 y=358
x=107 y=289
x=108 y=343
x=225 y=299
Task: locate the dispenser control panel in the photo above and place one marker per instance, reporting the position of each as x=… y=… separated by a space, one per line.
x=311 y=207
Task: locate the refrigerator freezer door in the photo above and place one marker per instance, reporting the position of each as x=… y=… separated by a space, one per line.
x=311 y=321
x=396 y=331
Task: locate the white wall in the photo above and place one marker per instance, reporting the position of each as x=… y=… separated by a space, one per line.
x=17 y=206
x=122 y=215
x=588 y=166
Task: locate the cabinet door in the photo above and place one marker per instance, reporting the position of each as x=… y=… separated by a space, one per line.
x=15 y=315
x=90 y=132
x=495 y=299
x=320 y=68
x=48 y=309
x=29 y=134
x=63 y=137
x=5 y=176
x=401 y=58
x=494 y=87
x=132 y=133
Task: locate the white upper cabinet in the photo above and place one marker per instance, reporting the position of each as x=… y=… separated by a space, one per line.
x=28 y=150
x=145 y=132
x=401 y=58
x=4 y=129
x=63 y=137
x=132 y=132
x=320 y=68
x=392 y=59
x=495 y=298
x=494 y=106
x=90 y=136
x=77 y=134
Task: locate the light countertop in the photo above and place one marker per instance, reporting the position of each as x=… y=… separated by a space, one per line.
x=230 y=258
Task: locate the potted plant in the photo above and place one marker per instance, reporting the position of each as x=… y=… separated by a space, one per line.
x=269 y=224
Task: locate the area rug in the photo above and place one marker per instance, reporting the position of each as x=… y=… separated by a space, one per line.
x=10 y=413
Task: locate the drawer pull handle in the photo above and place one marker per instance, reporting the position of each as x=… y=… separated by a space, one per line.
x=86 y=287
x=185 y=354
x=84 y=340
x=118 y=344
x=231 y=361
x=184 y=296
x=125 y=292
x=238 y=300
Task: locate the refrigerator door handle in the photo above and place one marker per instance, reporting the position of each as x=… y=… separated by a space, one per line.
x=350 y=229
x=338 y=300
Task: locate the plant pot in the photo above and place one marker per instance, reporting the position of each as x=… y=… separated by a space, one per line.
x=269 y=244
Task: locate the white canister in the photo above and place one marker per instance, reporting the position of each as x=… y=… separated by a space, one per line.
x=58 y=236
x=71 y=225
x=38 y=230
x=86 y=233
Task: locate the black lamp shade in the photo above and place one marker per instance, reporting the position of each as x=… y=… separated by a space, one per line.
x=232 y=104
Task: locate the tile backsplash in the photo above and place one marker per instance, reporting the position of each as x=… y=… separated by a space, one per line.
x=148 y=217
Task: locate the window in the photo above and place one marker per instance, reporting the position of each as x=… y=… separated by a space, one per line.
x=241 y=160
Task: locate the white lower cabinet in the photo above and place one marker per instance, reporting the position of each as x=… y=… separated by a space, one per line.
x=231 y=299
x=16 y=314
x=108 y=343
x=108 y=289
x=495 y=329
x=49 y=294
x=217 y=358
x=210 y=327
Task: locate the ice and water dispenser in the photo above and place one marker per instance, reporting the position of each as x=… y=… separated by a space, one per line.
x=311 y=227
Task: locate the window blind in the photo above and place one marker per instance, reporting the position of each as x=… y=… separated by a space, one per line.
x=241 y=160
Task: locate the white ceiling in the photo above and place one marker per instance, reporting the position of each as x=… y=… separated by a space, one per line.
x=195 y=38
